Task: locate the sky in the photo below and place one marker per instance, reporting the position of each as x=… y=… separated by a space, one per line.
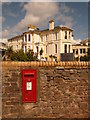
x=16 y=16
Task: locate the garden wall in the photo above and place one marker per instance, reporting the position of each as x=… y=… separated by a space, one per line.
x=62 y=90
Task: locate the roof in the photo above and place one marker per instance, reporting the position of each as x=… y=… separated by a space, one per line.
x=18 y=36
x=58 y=27
x=84 y=41
x=78 y=45
x=36 y=30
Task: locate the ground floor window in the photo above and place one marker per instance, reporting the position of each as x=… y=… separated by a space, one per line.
x=73 y=51
x=83 y=50
x=65 y=48
x=46 y=49
x=37 y=49
x=77 y=51
x=69 y=48
x=55 y=48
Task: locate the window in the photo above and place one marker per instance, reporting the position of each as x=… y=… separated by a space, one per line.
x=16 y=47
x=29 y=37
x=22 y=39
x=25 y=48
x=46 y=37
x=69 y=34
x=81 y=51
x=37 y=49
x=65 y=34
x=73 y=51
x=28 y=47
x=69 y=48
x=46 y=49
x=55 y=48
x=77 y=51
x=65 y=48
x=56 y=35
x=42 y=38
x=25 y=38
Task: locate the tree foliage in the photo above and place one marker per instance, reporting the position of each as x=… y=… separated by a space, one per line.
x=20 y=55
x=85 y=58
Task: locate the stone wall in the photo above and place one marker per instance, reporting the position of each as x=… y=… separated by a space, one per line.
x=62 y=92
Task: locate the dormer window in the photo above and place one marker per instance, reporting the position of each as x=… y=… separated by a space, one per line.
x=65 y=34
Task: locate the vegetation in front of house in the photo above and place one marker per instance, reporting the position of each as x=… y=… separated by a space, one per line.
x=20 y=55
x=53 y=57
x=31 y=56
x=85 y=58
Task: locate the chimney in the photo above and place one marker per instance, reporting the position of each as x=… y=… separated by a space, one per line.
x=51 y=24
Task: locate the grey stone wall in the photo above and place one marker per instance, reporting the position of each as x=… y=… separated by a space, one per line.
x=61 y=93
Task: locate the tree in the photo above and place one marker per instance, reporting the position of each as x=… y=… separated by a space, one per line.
x=55 y=58
x=51 y=56
x=9 y=51
x=85 y=58
x=21 y=56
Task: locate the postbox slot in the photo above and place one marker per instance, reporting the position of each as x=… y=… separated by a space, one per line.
x=29 y=74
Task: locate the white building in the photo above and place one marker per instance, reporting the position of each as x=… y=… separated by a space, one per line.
x=52 y=41
x=81 y=49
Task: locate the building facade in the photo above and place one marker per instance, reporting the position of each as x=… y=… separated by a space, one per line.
x=81 y=50
x=52 y=41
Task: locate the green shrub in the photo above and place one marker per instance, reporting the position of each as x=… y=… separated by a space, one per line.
x=21 y=56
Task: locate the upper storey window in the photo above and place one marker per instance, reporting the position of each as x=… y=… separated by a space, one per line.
x=69 y=35
x=25 y=38
x=56 y=35
x=46 y=37
x=65 y=34
x=42 y=38
x=29 y=37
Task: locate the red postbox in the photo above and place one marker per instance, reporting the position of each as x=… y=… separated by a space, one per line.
x=29 y=85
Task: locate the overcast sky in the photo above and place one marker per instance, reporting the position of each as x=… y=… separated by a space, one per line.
x=16 y=16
